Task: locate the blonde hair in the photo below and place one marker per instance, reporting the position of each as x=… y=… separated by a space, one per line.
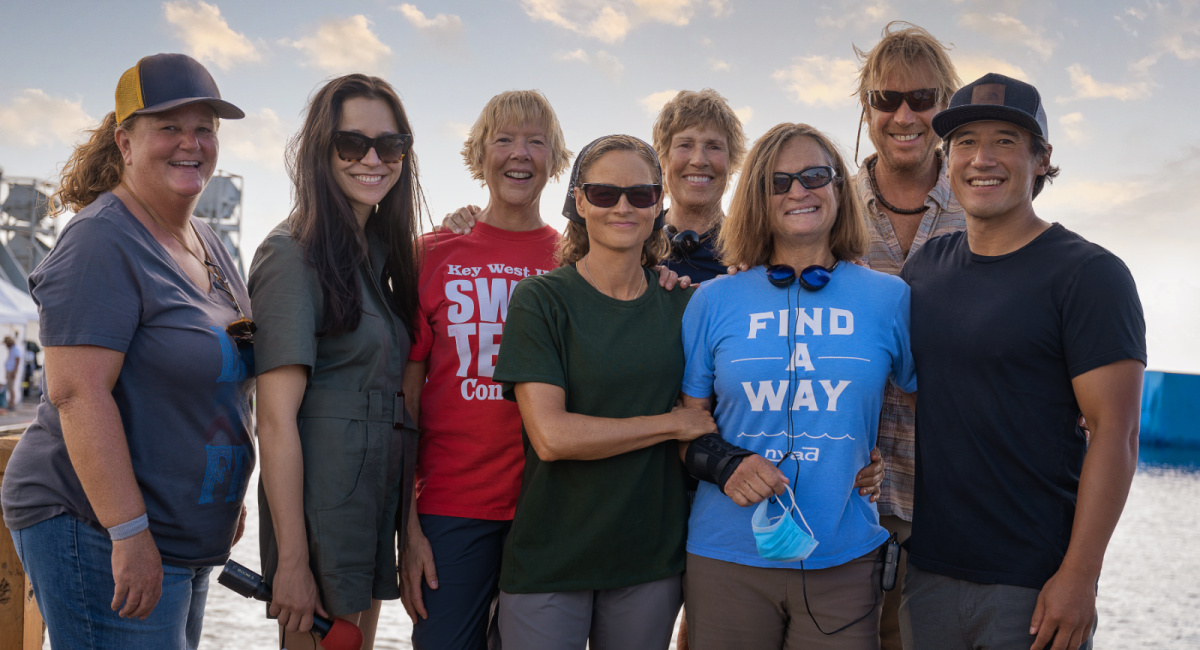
x=747 y=236
x=690 y=108
x=512 y=108
x=574 y=243
x=94 y=167
x=901 y=49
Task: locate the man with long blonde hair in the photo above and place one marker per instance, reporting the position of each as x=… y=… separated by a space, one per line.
x=904 y=80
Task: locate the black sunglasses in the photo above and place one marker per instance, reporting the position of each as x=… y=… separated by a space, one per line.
x=353 y=147
x=241 y=330
x=606 y=196
x=812 y=278
x=810 y=178
x=889 y=101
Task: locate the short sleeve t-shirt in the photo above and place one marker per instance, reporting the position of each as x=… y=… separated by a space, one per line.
x=470 y=458
x=618 y=521
x=798 y=378
x=357 y=463
x=291 y=321
x=997 y=341
x=183 y=391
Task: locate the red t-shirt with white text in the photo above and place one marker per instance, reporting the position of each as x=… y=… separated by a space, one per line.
x=470 y=457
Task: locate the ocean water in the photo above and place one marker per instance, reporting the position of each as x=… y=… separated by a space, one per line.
x=1150 y=590
x=1149 y=593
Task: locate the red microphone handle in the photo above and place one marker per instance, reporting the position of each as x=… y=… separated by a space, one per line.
x=342 y=635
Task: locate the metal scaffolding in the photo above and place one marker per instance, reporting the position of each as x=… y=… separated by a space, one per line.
x=221 y=207
x=27 y=232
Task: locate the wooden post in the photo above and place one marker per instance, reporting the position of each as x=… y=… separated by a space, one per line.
x=35 y=629
x=21 y=625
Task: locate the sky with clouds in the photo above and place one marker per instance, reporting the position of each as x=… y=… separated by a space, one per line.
x=1118 y=79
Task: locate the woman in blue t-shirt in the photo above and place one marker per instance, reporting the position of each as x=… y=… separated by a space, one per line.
x=795 y=353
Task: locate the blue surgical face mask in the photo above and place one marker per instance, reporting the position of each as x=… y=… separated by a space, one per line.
x=781 y=538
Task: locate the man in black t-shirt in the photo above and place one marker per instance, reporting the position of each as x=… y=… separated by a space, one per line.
x=1018 y=327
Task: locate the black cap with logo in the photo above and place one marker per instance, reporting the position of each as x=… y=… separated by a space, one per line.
x=994 y=97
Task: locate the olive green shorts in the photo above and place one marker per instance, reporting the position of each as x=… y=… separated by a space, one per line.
x=358 y=476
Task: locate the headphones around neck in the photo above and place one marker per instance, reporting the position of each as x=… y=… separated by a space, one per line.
x=812 y=278
x=569 y=210
x=686 y=242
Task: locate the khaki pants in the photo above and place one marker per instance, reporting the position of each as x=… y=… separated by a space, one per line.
x=743 y=607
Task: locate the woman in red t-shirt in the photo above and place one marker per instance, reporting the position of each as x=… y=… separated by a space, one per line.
x=470 y=456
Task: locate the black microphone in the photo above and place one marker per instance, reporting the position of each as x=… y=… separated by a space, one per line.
x=335 y=634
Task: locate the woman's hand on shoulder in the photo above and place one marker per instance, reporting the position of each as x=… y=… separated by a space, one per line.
x=691 y=423
x=734 y=270
x=667 y=278
x=462 y=220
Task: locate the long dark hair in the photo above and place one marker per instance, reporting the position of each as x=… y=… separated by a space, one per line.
x=323 y=222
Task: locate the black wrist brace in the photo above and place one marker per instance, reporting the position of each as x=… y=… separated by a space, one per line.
x=711 y=458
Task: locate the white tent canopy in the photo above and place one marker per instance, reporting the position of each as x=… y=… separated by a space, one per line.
x=16 y=307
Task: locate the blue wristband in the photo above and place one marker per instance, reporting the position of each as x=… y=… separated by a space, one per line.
x=129 y=528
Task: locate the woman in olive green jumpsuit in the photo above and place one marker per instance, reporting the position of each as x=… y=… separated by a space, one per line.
x=334 y=294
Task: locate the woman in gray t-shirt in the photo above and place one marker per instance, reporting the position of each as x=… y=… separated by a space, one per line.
x=334 y=290
x=143 y=429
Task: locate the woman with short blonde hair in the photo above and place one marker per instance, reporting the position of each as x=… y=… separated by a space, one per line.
x=470 y=446
x=700 y=142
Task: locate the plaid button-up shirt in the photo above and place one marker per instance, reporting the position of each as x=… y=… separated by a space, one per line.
x=896 y=442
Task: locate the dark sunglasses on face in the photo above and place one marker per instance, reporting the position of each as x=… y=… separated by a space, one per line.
x=889 y=101
x=353 y=147
x=810 y=178
x=606 y=196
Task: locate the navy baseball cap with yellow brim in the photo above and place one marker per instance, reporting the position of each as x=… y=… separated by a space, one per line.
x=994 y=97
x=162 y=82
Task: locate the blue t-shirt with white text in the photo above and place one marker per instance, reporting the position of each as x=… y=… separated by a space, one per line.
x=823 y=357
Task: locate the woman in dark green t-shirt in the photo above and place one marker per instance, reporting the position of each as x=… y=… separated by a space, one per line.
x=593 y=357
